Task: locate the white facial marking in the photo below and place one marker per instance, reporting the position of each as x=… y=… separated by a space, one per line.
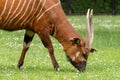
x=77 y=54
x=73 y=58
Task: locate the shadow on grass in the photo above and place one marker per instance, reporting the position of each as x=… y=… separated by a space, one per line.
x=34 y=69
x=49 y=69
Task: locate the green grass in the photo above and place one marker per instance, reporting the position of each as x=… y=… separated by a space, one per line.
x=102 y=65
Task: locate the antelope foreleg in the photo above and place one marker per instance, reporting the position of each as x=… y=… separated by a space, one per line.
x=27 y=41
x=48 y=44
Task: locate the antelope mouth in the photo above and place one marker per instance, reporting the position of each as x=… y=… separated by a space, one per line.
x=80 y=66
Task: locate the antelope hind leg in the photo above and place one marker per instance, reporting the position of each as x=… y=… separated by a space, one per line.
x=27 y=41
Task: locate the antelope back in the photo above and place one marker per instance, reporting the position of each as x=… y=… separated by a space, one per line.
x=22 y=12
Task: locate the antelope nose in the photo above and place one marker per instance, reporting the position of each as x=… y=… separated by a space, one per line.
x=82 y=66
x=83 y=63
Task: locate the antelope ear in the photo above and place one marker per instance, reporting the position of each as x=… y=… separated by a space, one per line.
x=92 y=50
x=75 y=41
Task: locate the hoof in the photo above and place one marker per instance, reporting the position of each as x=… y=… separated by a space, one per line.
x=58 y=69
x=20 y=66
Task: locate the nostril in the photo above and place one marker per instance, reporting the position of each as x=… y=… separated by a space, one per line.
x=84 y=63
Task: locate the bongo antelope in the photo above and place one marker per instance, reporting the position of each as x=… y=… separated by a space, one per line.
x=45 y=18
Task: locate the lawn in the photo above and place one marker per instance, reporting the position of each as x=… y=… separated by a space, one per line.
x=104 y=64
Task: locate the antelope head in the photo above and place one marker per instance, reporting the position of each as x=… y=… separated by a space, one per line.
x=79 y=50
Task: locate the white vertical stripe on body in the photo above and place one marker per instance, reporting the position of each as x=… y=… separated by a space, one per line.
x=37 y=11
x=33 y=15
x=24 y=12
x=41 y=9
x=5 y=6
x=13 y=12
x=13 y=1
x=48 y=10
x=19 y=11
x=24 y=21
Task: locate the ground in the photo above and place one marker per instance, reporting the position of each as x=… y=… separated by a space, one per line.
x=104 y=64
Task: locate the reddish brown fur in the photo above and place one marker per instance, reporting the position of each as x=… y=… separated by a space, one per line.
x=54 y=22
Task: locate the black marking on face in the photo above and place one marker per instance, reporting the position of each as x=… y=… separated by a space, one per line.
x=79 y=65
x=69 y=59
